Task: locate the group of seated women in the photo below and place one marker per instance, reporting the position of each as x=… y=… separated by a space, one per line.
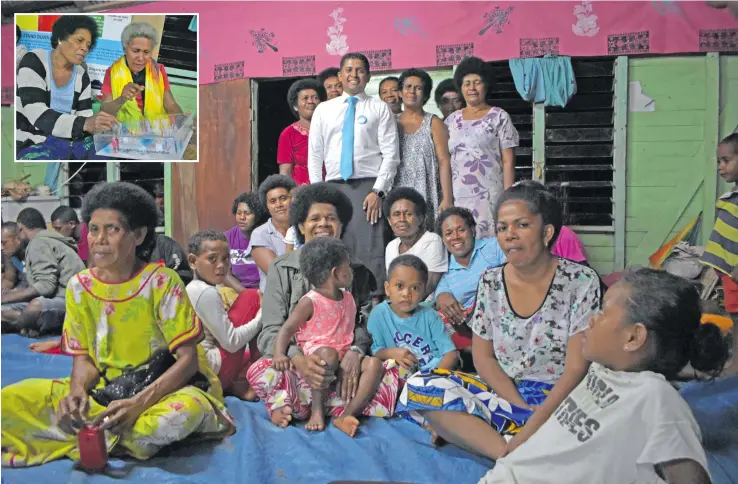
x=556 y=373
x=54 y=115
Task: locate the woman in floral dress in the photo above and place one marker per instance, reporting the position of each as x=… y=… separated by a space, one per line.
x=425 y=165
x=481 y=141
x=528 y=325
x=120 y=314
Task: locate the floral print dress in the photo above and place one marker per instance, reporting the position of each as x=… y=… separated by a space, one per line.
x=476 y=163
x=530 y=350
x=120 y=327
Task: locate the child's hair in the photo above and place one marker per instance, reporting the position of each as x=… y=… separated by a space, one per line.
x=409 y=260
x=669 y=307
x=194 y=245
x=539 y=201
x=320 y=256
x=732 y=140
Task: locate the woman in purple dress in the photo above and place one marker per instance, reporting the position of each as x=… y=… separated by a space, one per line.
x=248 y=211
x=481 y=141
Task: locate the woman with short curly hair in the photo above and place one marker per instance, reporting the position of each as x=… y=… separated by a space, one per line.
x=292 y=150
x=54 y=120
x=481 y=142
x=128 y=317
x=248 y=212
x=425 y=162
x=136 y=86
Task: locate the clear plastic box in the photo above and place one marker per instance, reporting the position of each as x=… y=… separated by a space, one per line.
x=163 y=138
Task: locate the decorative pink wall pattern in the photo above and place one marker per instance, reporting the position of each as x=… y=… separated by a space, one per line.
x=282 y=39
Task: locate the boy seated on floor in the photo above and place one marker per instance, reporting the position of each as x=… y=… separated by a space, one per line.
x=51 y=260
x=403 y=329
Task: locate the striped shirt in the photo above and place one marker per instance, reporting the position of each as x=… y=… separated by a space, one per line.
x=35 y=120
x=721 y=252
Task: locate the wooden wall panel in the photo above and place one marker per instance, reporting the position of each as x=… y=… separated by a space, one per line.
x=203 y=192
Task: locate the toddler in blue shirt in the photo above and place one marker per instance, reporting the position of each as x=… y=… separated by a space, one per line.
x=404 y=330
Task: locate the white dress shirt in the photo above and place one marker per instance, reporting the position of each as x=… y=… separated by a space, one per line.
x=376 y=144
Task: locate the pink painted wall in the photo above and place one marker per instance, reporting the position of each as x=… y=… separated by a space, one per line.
x=276 y=39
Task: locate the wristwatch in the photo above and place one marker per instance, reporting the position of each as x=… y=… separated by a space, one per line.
x=379 y=193
x=358 y=350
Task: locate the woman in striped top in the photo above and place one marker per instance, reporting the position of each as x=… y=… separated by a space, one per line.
x=54 y=119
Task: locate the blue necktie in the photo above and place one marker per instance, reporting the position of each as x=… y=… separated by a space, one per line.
x=347 y=146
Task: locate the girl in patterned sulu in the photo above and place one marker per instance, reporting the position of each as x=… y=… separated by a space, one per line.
x=323 y=323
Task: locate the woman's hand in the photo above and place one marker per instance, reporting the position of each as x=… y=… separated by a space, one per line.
x=100 y=122
x=348 y=375
x=72 y=412
x=120 y=415
x=448 y=305
x=314 y=371
x=281 y=363
x=130 y=91
x=404 y=357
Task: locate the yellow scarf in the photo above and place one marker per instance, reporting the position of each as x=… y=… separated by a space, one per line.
x=120 y=75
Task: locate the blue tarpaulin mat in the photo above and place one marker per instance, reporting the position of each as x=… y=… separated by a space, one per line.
x=389 y=450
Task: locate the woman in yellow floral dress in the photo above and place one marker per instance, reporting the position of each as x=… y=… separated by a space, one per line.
x=120 y=314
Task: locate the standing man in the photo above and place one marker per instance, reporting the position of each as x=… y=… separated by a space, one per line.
x=355 y=137
x=389 y=92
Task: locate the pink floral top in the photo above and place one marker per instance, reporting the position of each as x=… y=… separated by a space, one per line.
x=534 y=347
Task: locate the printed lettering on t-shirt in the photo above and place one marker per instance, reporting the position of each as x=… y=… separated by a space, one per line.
x=602 y=394
x=414 y=343
x=576 y=420
x=241 y=257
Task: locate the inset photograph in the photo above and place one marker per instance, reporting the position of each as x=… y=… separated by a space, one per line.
x=106 y=87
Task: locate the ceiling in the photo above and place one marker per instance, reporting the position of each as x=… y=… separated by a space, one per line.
x=12 y=7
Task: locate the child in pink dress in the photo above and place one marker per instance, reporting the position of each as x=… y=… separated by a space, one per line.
x=323 y=324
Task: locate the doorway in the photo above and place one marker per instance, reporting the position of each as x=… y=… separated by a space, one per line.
x=272 y=116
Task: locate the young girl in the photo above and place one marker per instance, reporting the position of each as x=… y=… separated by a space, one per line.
x=403 y=330
x=225 y=338
x=624 y=422
x=323 y=324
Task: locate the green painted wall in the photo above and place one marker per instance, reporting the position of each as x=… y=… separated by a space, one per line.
x=728 y=93
x=670 y=153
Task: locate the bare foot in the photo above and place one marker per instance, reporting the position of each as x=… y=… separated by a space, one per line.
x=316 y=422
x=347 y=424
x=282 y=416
x=436 y=439
x=43 y=346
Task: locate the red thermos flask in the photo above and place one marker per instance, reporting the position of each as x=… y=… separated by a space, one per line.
x=93 y=452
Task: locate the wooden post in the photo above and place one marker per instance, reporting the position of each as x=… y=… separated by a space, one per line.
x=619 y=158
x=539 y=142
x=711 y=131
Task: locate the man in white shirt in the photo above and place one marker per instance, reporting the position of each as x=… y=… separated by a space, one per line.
x=355 y=137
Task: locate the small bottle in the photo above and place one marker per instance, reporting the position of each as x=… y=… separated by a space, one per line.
x=93 y=452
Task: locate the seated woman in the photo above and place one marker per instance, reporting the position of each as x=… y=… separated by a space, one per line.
x=121 y=300
x=53 y=109
x=528 y=324
x=567 y=243
x=244 y=274
x=406 y=211
x=292 y=150
x=268 y=239
x=625 y=422
x=470 y=258
x=136 y=87
x=319 y=210
x=225 y=338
